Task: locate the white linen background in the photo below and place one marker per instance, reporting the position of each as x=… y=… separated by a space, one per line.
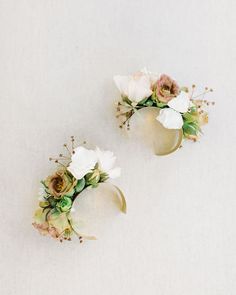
x=57 y=60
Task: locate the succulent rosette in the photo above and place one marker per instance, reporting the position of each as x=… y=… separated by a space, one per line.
x=179 y=108
x=81 y=170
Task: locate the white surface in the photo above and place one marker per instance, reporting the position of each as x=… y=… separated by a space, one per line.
x=57 y=59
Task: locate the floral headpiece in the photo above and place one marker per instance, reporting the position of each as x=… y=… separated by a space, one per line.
x=178 y=108
x=60 y=194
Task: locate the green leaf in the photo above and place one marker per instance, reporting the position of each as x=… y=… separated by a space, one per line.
x=43 y=183
x=127 y=100
x=143 y=101
x=189 y=118
x=154 y=96
x=80 y=185
x=52 y=201
x=161 y=104
x=43 y=204
x=190 y=128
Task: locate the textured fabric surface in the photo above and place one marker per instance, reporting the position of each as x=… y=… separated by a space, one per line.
x=57 y=60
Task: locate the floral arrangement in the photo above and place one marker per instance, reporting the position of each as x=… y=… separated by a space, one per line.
x=179 y=107
x=80 y=169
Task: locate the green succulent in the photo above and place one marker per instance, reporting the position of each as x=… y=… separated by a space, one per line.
x=149 y=103
x=70 y=194
x=80 y=185
x=191 y=122
x=65 y=204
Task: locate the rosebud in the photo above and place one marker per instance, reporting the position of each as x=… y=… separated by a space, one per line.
x=93 y=178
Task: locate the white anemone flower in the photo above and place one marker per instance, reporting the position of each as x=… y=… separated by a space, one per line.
x=106 y=162
x=171 y=117
x=152 y=76
x=82 y=162
x=136 y=87
x=180 y=103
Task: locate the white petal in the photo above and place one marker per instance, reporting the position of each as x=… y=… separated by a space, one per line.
x=106 y=159
x=139 y=88
x=82 y=162
x=180 y=103
x=114 y=173
x=135 y=87
x=153 y=77
x=170 y=119
x=106 y=162
x=122 y=83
